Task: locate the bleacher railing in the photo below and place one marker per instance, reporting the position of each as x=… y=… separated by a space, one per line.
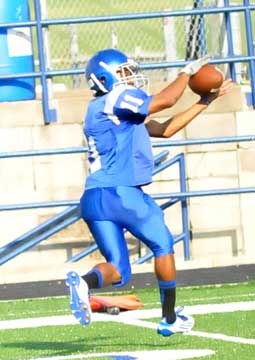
x=50 y=114
x=72 y=214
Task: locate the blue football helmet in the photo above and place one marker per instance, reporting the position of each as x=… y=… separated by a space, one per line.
x=109 y=68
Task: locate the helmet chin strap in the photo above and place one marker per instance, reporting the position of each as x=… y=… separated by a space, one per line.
x=98 y=83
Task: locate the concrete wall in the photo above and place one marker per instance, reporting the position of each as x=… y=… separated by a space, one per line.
x=223 y=227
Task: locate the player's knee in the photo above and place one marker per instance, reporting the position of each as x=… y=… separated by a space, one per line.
x=163 y=247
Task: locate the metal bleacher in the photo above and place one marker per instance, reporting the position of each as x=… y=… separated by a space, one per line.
x=71 y=213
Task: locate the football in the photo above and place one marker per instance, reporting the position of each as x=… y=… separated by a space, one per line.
x=207 y=79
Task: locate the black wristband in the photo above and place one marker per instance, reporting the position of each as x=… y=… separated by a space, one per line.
x=204 y=100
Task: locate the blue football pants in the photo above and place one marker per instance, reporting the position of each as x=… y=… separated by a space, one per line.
x=109 y=211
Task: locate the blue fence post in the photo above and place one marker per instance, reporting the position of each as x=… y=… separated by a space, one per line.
x=202 y=30
x=50 y=115
x=185 y=221
x=250 y=48
x=227 y=16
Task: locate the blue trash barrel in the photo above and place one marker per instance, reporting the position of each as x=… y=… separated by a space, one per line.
x=16 y=55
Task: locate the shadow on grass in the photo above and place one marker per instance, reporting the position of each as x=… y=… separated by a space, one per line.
x=9 y=350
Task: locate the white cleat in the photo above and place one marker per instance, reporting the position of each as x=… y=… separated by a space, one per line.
x=79 y=298
x=183 y=323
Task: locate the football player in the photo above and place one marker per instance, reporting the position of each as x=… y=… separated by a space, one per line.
x=118 y=129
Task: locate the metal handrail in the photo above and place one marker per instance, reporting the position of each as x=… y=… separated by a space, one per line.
x=50 y=114
x=171 y=198
x=69 y=216
x=166 y=143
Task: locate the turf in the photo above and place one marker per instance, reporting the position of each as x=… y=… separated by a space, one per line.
x=110 y=336
x=186 y=296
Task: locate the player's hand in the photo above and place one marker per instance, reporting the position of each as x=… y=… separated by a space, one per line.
x=225 y=88
x=194 y=66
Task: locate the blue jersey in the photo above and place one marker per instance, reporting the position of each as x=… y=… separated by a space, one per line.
x=120 y=151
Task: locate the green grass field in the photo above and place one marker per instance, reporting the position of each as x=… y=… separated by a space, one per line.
x=227 y=335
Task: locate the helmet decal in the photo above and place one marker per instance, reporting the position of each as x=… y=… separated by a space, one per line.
x=107 y=68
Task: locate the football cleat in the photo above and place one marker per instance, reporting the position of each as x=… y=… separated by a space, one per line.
x=183 y=323
x=79 y=298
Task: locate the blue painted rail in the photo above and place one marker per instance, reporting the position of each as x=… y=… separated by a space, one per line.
x=71 y=215
x=39 y=24
x=57 y=222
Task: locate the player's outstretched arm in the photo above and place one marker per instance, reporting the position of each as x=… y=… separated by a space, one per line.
x=168 y=96
x=179 y=121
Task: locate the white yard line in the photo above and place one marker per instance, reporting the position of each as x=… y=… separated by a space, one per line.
x=125 y=316
x=156 y=303
x=37 y=322
x=140 y=355
x=222 y=337
x=133 y=318
x=193 y=310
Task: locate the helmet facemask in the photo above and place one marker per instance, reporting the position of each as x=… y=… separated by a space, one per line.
x=127 y=74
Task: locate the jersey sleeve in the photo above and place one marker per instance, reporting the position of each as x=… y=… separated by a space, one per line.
x=130 y=104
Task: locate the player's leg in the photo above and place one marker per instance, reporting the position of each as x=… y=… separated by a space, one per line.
x=166 y=275
x=159 y=240
x=146 y=222
x=103 y=211
x=151 y=229
x=173 y=320
x=115 y=270
x=112 y=245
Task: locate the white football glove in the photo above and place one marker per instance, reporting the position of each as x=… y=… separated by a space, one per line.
x=194 y=66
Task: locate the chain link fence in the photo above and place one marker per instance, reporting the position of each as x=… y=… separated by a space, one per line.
x=147 y=40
